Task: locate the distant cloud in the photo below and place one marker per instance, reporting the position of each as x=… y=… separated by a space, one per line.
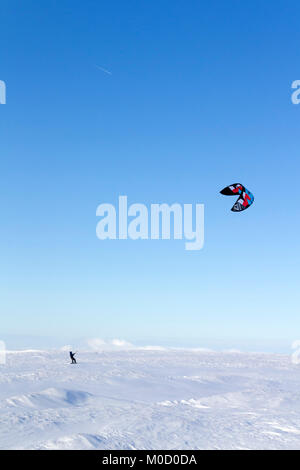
x=204 y=350
x=67 y=347
x=120 y=343
x=237 y=351
x=153 y=348
x=97 y=344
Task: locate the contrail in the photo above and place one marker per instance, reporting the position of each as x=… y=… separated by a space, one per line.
x=104 y=70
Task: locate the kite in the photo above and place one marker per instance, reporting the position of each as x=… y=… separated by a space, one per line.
x=245 y=197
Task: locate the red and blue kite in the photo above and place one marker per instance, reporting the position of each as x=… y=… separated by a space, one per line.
x=245 y=197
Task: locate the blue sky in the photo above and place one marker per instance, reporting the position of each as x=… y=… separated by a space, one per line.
x=199 y=96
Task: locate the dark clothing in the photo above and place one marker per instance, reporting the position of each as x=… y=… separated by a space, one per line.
x=72 y=356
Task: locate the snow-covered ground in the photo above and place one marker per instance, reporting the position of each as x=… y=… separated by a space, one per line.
x=149 y=399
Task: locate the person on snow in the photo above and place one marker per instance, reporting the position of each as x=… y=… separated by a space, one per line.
x=72 y=356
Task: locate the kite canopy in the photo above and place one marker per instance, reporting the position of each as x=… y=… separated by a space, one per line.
x=245 y=197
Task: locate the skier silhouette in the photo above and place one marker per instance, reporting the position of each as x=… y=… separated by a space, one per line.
x=72 y=356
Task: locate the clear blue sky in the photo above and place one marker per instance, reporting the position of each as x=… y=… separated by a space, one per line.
x=199 y=96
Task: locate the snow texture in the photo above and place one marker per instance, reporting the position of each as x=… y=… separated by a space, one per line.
x=149 y=399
